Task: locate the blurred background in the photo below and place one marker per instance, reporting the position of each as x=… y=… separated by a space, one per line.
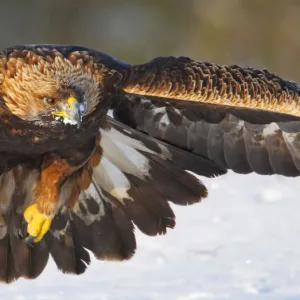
x=258 y=33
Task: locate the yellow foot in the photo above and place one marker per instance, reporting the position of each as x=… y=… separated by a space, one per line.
x=38 y=224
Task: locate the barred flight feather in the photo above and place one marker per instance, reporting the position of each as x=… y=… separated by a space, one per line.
x=230 y=138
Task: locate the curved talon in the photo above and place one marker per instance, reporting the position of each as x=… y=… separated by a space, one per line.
x=38 y=224
x=29 y=240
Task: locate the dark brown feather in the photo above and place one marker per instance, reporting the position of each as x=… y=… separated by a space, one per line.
x=110 y=236
x=29 y=261
x=65 y=247
x=149 y=210
x=17 y=259
x=229 y=141
x=8 y=272
x=184 y=159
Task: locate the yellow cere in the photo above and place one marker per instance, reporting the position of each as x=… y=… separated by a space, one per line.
x=71 y=100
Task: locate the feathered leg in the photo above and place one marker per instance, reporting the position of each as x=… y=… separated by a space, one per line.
x=39 y=215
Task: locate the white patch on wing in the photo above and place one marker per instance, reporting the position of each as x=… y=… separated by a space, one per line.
x=157 y=110
x=164 y=121
x=271 y=129
x=127 y=159
x=120 y=193
x=110 y=178
x=115 y=135
x=90 y=193
x=289 y=137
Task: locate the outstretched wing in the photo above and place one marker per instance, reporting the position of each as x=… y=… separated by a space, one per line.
x=244 y=119
x=129 y=180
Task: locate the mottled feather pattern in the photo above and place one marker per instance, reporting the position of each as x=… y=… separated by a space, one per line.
x=185 y=79
x=106 y=69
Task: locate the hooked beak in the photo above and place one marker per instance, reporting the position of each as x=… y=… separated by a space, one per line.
x=72 y=112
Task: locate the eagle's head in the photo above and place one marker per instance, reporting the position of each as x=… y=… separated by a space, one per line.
x=40 y=89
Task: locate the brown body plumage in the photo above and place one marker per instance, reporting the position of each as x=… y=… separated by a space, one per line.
x=89 y=178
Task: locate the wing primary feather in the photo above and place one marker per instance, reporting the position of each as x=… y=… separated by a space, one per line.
x=233 y=137
x=183 y=158
x=141 y=176
x=65 y=246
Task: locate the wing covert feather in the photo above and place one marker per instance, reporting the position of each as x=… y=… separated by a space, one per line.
x=181 y=78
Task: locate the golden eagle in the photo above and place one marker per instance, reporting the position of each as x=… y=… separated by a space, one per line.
x=74 y=179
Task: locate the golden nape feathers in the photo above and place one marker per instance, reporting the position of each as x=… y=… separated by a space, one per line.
x=29 y=77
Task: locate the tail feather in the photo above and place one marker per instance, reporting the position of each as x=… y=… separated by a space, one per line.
x=103 y=229
x=179 y=186
x=29 y=262
x=8 y=272
x=148 y=209
x=65 y=247
x=17 y=259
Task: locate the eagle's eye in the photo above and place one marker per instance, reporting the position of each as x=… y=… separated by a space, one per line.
x=50 y=101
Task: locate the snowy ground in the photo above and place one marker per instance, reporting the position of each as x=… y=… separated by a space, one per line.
x=240 y=243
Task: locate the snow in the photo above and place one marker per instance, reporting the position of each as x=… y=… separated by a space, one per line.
x=239 y=243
